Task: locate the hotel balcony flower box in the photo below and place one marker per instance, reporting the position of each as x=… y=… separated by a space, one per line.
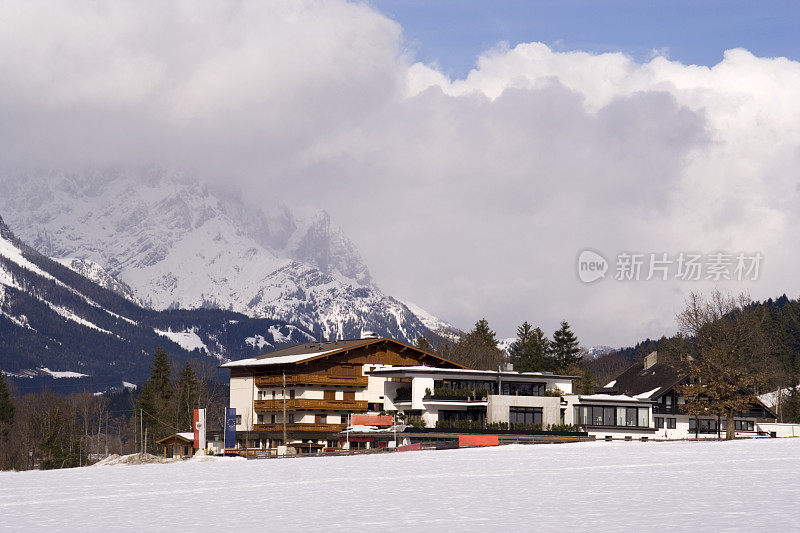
x=300 y=404
x=455 y=395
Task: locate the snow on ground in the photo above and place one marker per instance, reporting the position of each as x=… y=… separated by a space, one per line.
x=65 y=374
x=257 y=341
x=748 y=485
x=277 y=336
x=69 y=315
x=188 y=340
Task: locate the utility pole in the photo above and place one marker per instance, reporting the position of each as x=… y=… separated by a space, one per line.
x=141 y=433
x=285 y=442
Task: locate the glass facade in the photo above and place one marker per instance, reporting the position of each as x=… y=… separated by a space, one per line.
x=616 y=416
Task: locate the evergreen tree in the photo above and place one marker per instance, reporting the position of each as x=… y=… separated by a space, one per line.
x=587 y=383
x=528 y=352
x=423 y=344
x=477 y=349
x=188 y=397
x=564 y=350
x=6 y=409
x=484 y=332
x=154 y=400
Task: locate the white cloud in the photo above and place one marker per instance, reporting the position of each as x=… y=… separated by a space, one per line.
x=471 y=197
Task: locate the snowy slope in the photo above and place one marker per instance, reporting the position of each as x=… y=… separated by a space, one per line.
x=748 y=485
x=177 y=244
x=93 y=271
x=56 y=323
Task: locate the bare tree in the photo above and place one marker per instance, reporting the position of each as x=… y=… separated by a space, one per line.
x=727 y=358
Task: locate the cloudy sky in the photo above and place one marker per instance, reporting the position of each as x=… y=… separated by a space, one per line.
x=470 y=172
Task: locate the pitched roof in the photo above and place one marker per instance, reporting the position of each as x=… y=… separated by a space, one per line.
x=313 y=350
x=650 y=382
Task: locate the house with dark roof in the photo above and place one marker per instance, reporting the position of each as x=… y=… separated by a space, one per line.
x=657 y=381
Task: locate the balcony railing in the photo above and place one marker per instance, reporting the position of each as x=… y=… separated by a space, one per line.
x=299 y=404
x=320 y=428
x=313 y=379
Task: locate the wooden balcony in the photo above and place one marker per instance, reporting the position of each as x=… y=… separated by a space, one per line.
x=300 y=404
x=313 y=379
x=319 y=428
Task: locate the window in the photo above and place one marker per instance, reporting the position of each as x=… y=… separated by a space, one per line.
x=344 y=419
x=595 y=415
x=671 y=423
x=260 y=419
x=744 y=425
x=349 y=395
x=525 y=415
x=706 y=425
x=659 y=421
x=291 y=394
x=273 y=394
x=630 y=416
x=291 y=418
x=261 y=395
x=238 y=420
x=644 y=419
x=516 y=388
x=271 y=419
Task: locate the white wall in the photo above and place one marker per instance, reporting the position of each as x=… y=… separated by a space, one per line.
x=498 y=406
x=241 y=398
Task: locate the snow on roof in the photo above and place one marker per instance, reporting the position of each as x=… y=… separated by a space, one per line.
x=279 y=360
x=358 y=428
x=188 y=436
x=611 y=398
x=610 y=384
x=648 y=394
x=428 y=369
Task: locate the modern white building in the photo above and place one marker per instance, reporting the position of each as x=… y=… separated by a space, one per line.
x=461 y=398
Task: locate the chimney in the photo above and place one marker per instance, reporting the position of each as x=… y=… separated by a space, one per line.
x=650 y=360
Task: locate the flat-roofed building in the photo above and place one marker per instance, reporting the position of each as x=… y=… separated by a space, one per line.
x=453 y=398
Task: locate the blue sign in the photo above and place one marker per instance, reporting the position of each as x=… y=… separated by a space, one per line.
x=230 y=427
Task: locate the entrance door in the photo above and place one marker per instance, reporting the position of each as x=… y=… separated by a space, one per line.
x=319 y=419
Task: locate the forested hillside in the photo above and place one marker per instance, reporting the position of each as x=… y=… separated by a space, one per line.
x=53 y=318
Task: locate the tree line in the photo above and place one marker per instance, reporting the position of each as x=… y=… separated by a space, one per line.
x=531 y=351
x=47 y=430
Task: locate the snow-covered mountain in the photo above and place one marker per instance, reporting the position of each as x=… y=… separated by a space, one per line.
x=93 y=271
x=56 y=323
x=176 y=244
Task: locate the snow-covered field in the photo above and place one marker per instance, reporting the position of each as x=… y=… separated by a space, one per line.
x=685 y=486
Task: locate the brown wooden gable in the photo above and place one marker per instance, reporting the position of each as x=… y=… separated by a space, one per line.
x=348 y=360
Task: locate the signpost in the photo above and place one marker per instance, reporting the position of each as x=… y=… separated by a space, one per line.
x=200 y=429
